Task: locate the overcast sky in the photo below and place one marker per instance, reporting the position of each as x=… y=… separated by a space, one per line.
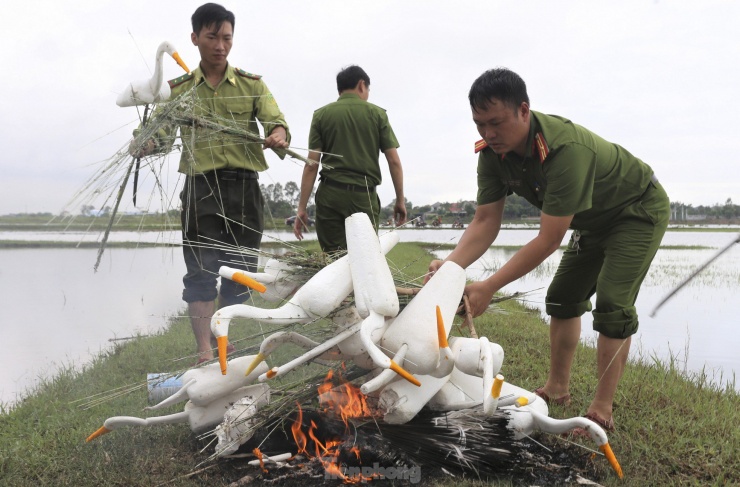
x=657 y=77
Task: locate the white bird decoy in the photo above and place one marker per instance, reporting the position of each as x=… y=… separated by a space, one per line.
x=526 y=418
x=203 y=385
x=375 y=299
x=271 y=343
x=527 y=411
x=474 y=358
x=319 y=297
x=374 y=289
x=208 y=393
x=277 y=278
x=444 y=290
x=153 y=90
x=200 y=418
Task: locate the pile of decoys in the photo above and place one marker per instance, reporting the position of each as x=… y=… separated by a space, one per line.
x=411 y=360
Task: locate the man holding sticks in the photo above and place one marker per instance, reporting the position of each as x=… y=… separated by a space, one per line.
x=222 y=206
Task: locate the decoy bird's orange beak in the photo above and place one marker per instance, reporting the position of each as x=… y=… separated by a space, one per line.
x=100 y=432
x=179 y=61
x=609 y=454
x=222 y=342
x=255 y=362
x=247 y=281
x=441 y=332
x=404 y=373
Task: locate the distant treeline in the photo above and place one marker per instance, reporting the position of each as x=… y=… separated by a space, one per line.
x=281 y=202
x=686 y=212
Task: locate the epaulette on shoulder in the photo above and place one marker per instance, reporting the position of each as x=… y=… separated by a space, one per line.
x=244 y=74
x=180 y=80
x=480 y=145
x=540 y=145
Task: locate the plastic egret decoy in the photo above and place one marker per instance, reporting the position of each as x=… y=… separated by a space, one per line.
x=525 y=419
x=319 y=297
x=203 y=385
x=417 y=339
x=153 y=90
x=527 y=411
x=375 y=300
x=276 y=278
x=200 y=418
x=209 y=396
x=374 y=290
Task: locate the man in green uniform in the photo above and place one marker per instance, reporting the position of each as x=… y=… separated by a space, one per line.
x=613 y=202
x=350 y=133
x=221 y=201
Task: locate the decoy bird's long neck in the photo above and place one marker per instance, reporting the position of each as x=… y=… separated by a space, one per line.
x=156 y=82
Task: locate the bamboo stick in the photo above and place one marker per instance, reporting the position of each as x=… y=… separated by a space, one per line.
x=469 y=317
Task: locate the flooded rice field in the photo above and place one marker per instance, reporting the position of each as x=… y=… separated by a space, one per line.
x=58 y=312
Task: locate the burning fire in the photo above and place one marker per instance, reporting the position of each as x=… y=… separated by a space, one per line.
x=343 y=401
x=258 y=454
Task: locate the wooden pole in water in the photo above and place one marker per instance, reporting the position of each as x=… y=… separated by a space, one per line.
x=101 y=249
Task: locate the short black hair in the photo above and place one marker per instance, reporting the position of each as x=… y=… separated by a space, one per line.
x=211 y=14
x=500 y=84
x=348 y=78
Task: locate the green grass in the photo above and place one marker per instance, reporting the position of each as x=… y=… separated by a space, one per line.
x=670 y=430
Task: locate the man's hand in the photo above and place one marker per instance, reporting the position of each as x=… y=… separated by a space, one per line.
x=479 y=296
x=276 y=139
x=399 y=212
x=433 y=267
x=301 y=222
x=143 y=150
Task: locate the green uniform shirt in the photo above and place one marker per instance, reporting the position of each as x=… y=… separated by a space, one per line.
x=567 y=170
x=240 y=97
x=356 y=130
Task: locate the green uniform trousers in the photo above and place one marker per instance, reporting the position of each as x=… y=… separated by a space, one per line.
x=333 y=206
x=211 y=241
x=611 y=263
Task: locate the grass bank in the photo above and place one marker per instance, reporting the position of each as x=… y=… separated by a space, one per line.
x=670 y=430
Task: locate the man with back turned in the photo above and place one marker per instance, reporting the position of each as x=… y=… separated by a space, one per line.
x=347 y=136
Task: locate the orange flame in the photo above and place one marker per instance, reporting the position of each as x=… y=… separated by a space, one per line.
x=298 y=435
x=344 y=401
x=258 y=454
